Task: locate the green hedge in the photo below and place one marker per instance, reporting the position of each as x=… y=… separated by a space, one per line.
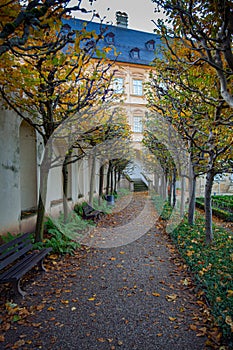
x=221 y=213
x=212 y=266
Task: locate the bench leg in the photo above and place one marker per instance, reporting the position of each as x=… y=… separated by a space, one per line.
x=17 y=289
x=41 y=265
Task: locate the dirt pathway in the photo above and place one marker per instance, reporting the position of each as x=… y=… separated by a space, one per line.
x=130 y=296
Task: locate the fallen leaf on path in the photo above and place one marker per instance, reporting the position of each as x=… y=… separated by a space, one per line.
x=193 y=327
x=2 y=338
x=171 y=297
x=19 y=343
x=51 y=308
x=101 y=340
x=172 y=318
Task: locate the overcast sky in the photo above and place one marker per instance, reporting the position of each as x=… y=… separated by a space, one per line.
x=140 y=12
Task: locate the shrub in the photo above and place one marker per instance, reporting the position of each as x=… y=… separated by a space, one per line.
x=162 y=206
x=212 y=266
x=219 y=211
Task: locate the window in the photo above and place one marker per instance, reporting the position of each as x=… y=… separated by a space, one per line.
x=134 y=53
x=137 y=124
x=137 y=87
x=109 y=38
x=150 y=45
x=118 y=85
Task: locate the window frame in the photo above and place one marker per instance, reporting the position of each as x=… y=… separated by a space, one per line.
x=150 y=45
x=110 y=38
x=135 y=53
x=137 y=124
x=120 y=89
x=138 y=88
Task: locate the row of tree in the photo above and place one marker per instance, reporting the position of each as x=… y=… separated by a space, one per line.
x=192 y=90
x=57 y=81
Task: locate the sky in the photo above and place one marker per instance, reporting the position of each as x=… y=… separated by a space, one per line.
x=140 y=12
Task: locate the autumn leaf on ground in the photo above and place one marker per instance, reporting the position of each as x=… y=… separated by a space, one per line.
x=156 y=294
x=229 y=293
x=2 y=338
x=18 y=344
x=92 y=298
x=185 y=282
x=101 y=340
x=51 y=308
x=193 y=327
x=172 y=318
x=229 y=321
x=171 y=297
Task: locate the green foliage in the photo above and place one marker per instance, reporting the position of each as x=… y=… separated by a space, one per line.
x=104 y=207
x=221 y=206
x=63 y=238
x=123 y=192
x=212 y=266
x=162 y=207
x=78 y=208
x=9 y=237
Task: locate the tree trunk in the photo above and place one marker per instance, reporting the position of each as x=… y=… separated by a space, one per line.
x=182 y=198
x=101 y=183
x=44 y=171
x=119 y=176
x=164 y=187
x=92 y=180
x=108 y=177
x=65 y=187
x=192 y=200
x=169 y=192
x=115 y=180
x=111 y=176
x=39 y=231
x=174 y=188
x=208 y=207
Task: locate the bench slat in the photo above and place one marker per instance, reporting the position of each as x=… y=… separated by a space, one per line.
x=15 y=255
x=17 y=240
x=23 y=266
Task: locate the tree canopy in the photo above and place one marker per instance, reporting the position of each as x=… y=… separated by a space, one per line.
x=206 y=28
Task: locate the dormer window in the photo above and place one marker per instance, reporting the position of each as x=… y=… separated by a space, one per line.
x=90 y=44
x=150 y=45
x=110 y=38
x=134 y=53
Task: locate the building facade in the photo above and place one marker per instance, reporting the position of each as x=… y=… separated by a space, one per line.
x=22 y=148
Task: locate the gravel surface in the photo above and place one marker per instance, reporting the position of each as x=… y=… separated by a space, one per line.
x=136 y=296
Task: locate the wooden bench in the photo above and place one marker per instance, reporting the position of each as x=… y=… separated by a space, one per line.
x=17 y=257
x=90 y=213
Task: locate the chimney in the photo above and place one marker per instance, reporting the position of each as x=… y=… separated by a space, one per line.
x=121 y=19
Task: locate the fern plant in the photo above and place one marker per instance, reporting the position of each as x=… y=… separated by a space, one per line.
x=63 y=238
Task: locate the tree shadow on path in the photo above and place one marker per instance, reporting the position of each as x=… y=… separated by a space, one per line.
x=132 y=296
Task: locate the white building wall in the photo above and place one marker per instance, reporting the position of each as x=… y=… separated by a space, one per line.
x=10 y=210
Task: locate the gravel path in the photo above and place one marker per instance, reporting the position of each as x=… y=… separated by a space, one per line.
x=135 y=296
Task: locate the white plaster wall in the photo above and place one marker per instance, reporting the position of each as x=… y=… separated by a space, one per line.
x=28 y=167
x=54 y=188
x=10 y=210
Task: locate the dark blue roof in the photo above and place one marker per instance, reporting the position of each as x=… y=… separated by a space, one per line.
x=125 y=40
